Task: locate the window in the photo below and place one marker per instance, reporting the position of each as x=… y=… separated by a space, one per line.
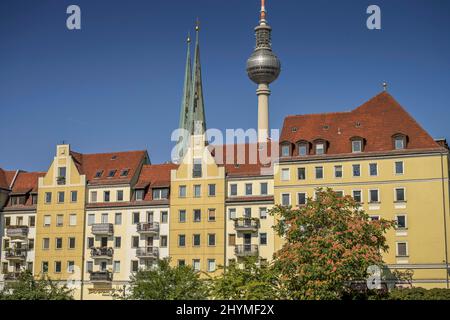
x=31 y=221
x=181 y=240
x=232 y=239
x=91 y=219
x=285 y=173
x=5 y=243
x=233 y=189
x=197 y=168
x=301 y=198
x=247 y=213
x=196 y=240
x=232 y=213
x=31 y=244
x=357 y=196
x=73 y=196
x=196 y=264
x=34 y=199
x=197 y=190
x=70 y=266
x=89 y=266
x=286 y=199
x=139 y=195
x=119 y=195
x=211 y=239
x=197 y=215
x=93 y=196
x=399 y=167
x=401 y=221
x=400 y=195
x=71 y=243
x=320 y=148
x=211 y=215
x=163 y=242
x=136 y=217
x=356 y=146
x=301 y=173
x=118 y=218
x=47 y=221
x=164 y=216
x=248 y=189
x=7 y=221
x=211 y=265
x=61 y=196
x=374 y=196
x=162 y=193
x=182 y=191
x=374 y=218
x=106 y=196
x=134 y=266
x=98 y=174
x=399 y=143
x=181 y=263
x=116 y=267
x=90 y=242
x=135 y=242
x=263 y=186
x=48 y=197
x=263 y=213
x=111 y=173
x=302 y=149
x=319 y=172
x=182 y=216
x=373 y=169
x=30 y=266
x=59 y=220
x=61 y=175
x=46 y=243
x=44 y=266
x=105 y=218
x=285 y=150
x=117 y=242
x=402 y=249
x=339 y=193
x=19 y=221
x=338 y=171
x=356 y=170
x=124 y=172
x=58 y=243
x=212 y=190
x=263 y=239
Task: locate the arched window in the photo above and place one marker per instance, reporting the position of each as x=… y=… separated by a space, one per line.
x=303 y=148
x=286 y=149
x=357 y=144
x=320 y=146
x=399 y=141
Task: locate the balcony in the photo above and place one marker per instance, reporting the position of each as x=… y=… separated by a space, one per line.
x=246 y=225
x=102 y=253
x=11 y=276
x=149 y=228
x=103 y=229
x=101 y=277
x=18 y=254
x=17 y=232
x=246 y=250
x=147 y=253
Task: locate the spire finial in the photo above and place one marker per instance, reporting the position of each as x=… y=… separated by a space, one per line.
x=188 y=39
x=385 y=85
x=197 y=25
x=263 y=10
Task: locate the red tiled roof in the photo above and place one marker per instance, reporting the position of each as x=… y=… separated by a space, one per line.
x=6 y=178
x=154 y=176
x=26 y=182
x=244 y=160
x=90 y=164
x=377 y=121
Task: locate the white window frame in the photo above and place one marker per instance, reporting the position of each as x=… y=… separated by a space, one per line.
x=396 y=249
x=342 y=171
x=263 y=209
x=360 y=146
x=283 y=174
x=213 y=262
x=323 y=172
x=406 y=221
x=374 y=216
x=72 y=219
x=229 y=213
x=369 y=197
x=353 y=171
x=306 y=198
x=316 y=148
x=370 y=173
x=284 y=194
x=362 y=194
x=395 y=167
x=395 y=194
x=47 y=220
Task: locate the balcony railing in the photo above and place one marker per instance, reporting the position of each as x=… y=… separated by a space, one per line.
x=102 y=253
x=246 y=225
x=101 y=276
x=148 y=227
x=16 y=254
x=103 y=229
x=147 y=253
x=11 y=276
x=17 y=231
x=246 y=250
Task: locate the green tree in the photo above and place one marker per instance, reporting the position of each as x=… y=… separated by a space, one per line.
x=248 y=281
x=329 y=244
x=165 y=282
x=29 y=288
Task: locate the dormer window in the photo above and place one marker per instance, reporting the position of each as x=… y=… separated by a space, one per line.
x=320 y=147
x=112 y=173
x=98 y=174
x=285 y=150
x=303 y=148
x=399 y=141
x=124 y=172
x=159 y=194
x=139 y=195
x=357 y=144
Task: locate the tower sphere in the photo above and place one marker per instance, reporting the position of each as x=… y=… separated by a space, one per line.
x=263 y=66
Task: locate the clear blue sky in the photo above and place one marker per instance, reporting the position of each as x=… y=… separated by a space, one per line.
x=117 y=84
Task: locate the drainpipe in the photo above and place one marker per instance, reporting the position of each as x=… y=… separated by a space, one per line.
x=445 y=220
